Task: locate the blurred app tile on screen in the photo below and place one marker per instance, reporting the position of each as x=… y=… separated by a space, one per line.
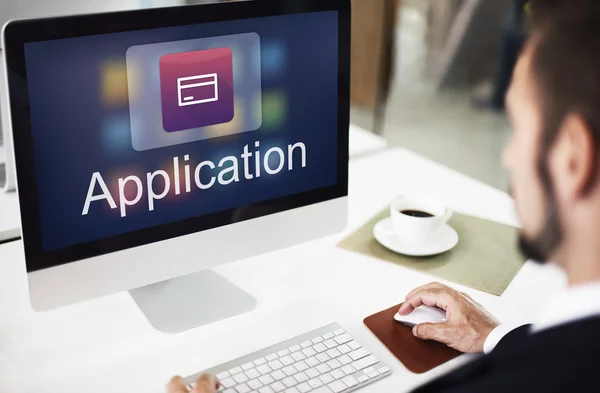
x=275 y=110
x=113 y=84
x=274 y=58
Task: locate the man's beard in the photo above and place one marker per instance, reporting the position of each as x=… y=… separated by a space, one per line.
x=541 y=248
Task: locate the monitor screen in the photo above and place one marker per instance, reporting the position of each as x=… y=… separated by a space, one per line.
x=139 y=130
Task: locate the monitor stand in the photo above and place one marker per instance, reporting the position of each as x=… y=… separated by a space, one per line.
x=197 y=299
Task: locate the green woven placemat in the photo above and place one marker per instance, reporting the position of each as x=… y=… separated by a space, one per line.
x=486 y=257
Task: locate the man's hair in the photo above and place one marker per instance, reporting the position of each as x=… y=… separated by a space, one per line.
x=565 y=63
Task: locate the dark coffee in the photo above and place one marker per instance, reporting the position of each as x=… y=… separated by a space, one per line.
x=416 y=213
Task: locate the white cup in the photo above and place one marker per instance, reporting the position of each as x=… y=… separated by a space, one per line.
x=417 y=230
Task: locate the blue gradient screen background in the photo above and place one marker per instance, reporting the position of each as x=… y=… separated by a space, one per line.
x=80 y=123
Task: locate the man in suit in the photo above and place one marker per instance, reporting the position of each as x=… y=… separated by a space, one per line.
x=554 y=161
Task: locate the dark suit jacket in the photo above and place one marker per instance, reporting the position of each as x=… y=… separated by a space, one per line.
x=561 y=359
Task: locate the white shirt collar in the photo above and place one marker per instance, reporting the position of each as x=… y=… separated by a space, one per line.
x=572 y=304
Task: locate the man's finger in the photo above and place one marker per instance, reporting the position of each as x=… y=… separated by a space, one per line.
x=431 y=331
x=431 y=285
x=206 y=384
x=176 y=385
x=439 y=298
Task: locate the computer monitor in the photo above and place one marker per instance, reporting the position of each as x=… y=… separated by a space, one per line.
x=154 y=144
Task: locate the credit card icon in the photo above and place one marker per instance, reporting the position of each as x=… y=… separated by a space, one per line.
x=198 y=89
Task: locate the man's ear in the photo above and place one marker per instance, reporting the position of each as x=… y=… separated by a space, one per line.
x=573 y=159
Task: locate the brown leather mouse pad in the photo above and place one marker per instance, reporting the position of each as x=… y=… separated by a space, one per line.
x=417 y=355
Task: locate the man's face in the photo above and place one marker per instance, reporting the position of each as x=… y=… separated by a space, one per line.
x=522 y=158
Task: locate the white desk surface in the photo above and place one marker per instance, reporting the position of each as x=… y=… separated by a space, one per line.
x=106 y=345
x=362 y=143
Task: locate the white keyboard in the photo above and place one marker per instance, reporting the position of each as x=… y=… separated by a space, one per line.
x=326 y=360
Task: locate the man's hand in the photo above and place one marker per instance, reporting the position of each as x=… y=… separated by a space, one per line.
x=204 y=384
x=467 y=323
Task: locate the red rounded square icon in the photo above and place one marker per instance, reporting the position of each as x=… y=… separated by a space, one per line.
x=196 y=89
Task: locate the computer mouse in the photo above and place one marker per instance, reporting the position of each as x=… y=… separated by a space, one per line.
x=422 y=314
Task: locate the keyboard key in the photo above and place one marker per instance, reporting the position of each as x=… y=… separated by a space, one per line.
x=317 y=340
x=365 y=362
x=247 y=366
x=359 y=354
x=344 y=359
x=272 y=357
x=243 y=388
x=235 y=370
x=338 y=332
x=295 y=348
x=334 y=364
x=264 y=369
x=308 y=352
x=333 y=353
x=327 y=336
x=230 y=390
x=266 y=379
x=323 y=357
x=297 y=356
x=287 y=360
x=312 y=361
x=315 y=383
x=343 y=339
x=338 y=374
x=266 y=389
x=350 y=381
x=354 y=345
x=348 y=369
x=252 y=374
x=240 y=378
x=275 y=364
x=278 y=375
x=292 y=390
x=301 y=377
x=368 y=370
x=344 y=349
x=327 y=378
x=306 y=344
x=383 y=370
x=323 y=368
x=312 y=373
x=228 y=382
x=301 y=365
x=362 y=378
x=278 y=387
x=260 y=361
x=283 y=352
x=374 y=374
x=223 y=375
x=289 y=370
x=289 y=382
x=337 y=386
x=319 y=348
x=304 y=387
x=255 y=384
x=330 y=344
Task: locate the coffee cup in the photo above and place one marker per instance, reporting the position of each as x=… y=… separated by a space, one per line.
x=415 y=220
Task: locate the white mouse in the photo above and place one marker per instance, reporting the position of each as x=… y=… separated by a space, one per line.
x=422 y=314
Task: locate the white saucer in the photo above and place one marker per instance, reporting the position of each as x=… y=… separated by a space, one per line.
x=445 y=240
